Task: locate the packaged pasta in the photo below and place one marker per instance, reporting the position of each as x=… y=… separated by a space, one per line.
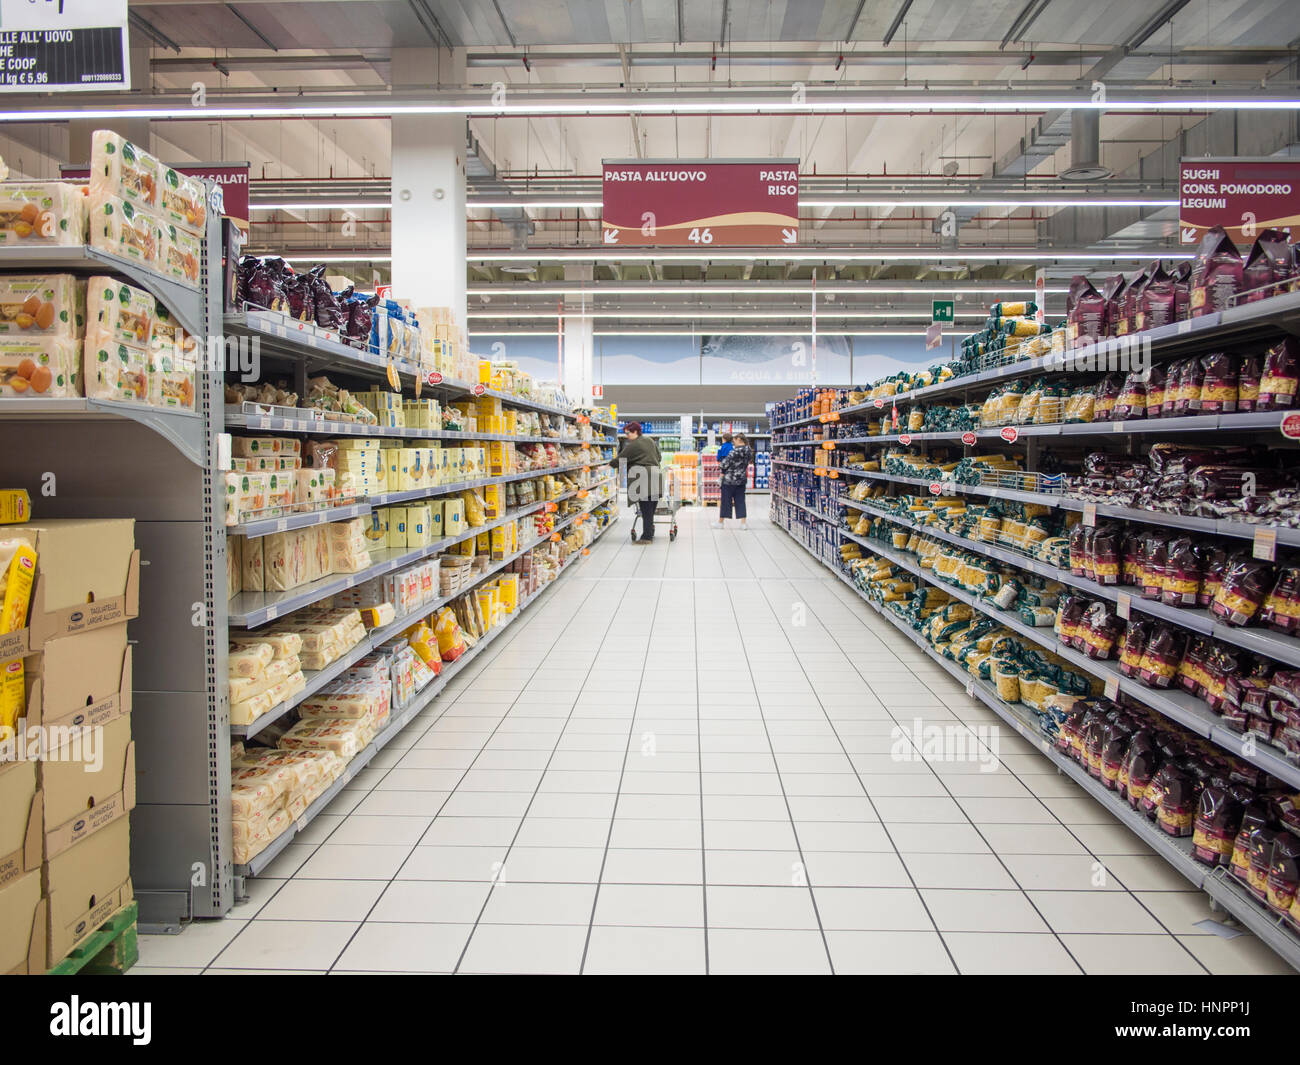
x=1248 y=382
x=1277 y=386
x=120 y=313
x=1219 y=385
x=50 y=212
x=1161 y=655
x=42 y=303
x=182 y=201
x=1241 y=595
x=120 y=170
x=180 y=254
x=1181 y=578
x=39 y=366
x=124 y=229
x=1218 y=820
x=1281 y=610
x=1133 y=646
x=115 y=370
x=1176 y=812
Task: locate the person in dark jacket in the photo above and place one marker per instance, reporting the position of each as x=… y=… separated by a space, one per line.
x=735 y=476
x=641 y=454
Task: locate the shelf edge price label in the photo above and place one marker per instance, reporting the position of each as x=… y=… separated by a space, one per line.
x=1010 y=434
x=1290 y=426
x=1265 y=545
x=1112 y=688
x=1123 y=605
x=1090 y=514
x=968 y=439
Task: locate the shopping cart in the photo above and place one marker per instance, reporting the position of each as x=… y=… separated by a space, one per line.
x=670 y=500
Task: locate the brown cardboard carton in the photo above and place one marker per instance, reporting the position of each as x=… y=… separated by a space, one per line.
x=22 y=926
x=80 y=803
x=87 y=576
x=80 y=680
x=20 y=823
x=86 y=885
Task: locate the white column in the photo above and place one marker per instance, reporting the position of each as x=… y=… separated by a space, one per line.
x=579 y=339
x=428 y=206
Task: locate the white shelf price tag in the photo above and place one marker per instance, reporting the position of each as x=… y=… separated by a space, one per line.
x=1265 y=545
x=1123 y=605
x=1090 y=514
x=1112 y=688
x=223 y=451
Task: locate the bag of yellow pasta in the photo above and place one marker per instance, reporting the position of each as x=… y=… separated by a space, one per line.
x=451 y=641
x=475 y=509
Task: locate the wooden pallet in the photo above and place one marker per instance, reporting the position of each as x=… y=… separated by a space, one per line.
x=111 y=949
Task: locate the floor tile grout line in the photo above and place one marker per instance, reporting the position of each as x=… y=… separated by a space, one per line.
x=613 y=814
x=699 y=762
x=442 y=806
x=1096 y=858
x=803 y=865
x=536 y=790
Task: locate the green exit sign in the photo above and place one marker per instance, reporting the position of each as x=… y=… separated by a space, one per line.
x=943 y=311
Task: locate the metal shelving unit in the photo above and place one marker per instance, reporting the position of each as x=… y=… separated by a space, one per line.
x=160 y=467
x=1215 y=882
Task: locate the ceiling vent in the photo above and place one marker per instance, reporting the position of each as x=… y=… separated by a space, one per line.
x=1085 y=148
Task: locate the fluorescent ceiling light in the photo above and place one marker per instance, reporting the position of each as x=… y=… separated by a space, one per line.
x=954 y=200
x=320 y=205
x=752 y=333
x=838 y=103
x=701 y=315
x=360 y=257
x=608 y=290
x=668 y=255
x=957 y=199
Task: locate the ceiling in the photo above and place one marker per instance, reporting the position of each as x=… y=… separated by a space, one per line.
x=255 y=50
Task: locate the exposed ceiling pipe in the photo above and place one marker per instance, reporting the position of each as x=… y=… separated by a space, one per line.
x=1085 y=148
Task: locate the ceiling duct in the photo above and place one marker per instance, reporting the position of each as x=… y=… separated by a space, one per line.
x=1085 y=148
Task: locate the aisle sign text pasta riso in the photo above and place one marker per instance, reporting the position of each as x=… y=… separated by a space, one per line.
x=63 y=46
x=700 y=203
x=1245 y=196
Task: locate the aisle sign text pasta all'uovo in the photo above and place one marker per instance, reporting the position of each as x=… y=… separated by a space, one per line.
x=700 y=203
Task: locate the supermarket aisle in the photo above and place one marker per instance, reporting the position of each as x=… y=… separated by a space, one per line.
x=687 y=760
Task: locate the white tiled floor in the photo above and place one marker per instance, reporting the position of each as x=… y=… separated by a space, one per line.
x=681 y=762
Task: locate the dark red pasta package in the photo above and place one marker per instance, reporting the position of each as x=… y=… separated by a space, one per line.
x=1140 y=767
x=1218 y=820
x=1155 y=300
x=1219 y=384
x=1241 y=595
x=1187 y=394
x=1261 y=856
x=1094 y=739
x=1132 y=400
x=1114 y=748
x=1113 y=292
x=1216 y=275
x=1085 y=313
x=1100 y=631
x=1281 y=374
x=301 y=304
x=1080 y=565
x=1169 y=398
x=1191 y=671
x=1133 y=646
x=1132 y=568
x=1176 y=814
x=1254 y=818
x=1182 y=573
x=1151 y=563
x=1069 y=621
x=1155 y=389
x=1138 y=742
x=1248 y=381
x=1162 y=655
x=1222 y=661
x=1182 y=274
x=1129 y=304
x=1155 y=790
x=1108 y=390
x=1283 y=873
x=1269 y=266
x=1105 y=549
x=1214 y=560
x=1281 y=611
x=329 y=313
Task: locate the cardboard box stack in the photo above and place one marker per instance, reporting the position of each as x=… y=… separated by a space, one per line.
x=67 y=759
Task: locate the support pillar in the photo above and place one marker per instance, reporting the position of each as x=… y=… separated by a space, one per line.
x=579 y=339
x=428 y=205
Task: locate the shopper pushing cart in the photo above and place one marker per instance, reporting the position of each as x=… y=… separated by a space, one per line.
x=640 y=457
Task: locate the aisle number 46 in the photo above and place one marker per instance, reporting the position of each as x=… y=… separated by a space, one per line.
x=700 y=235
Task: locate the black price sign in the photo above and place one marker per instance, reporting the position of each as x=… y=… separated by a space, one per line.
x=62 y=45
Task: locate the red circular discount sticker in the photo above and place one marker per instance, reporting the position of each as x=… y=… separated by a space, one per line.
x=1010 y=434
x=1291 y=426
x=968 y=439
x=935 y=488
x=478 y=390
x=905 y=439
x=434 y=377
x=878 y=403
